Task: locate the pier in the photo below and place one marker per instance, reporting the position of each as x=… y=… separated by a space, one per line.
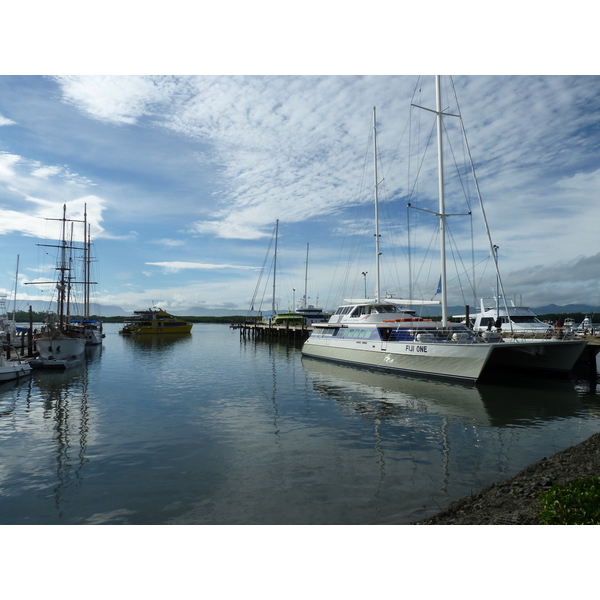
x=590 y=353
x=280 y=333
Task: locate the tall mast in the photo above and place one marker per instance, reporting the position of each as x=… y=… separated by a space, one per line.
x=442 y=208
x=377 y=236
x=306 y=280
x=15 y=296
x=274 y=268
x=61 y=286
x=86 y=258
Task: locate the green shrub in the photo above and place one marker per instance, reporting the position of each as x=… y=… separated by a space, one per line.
x=577 y=503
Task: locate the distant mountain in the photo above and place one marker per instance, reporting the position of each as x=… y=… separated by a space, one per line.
x=569 y=308
x=112 y=310
x=197 y=311
x=103 y=310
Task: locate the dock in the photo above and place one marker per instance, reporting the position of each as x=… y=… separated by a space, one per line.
x=280 y=333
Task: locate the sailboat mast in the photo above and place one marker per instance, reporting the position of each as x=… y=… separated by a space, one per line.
x=86 y=258
x=377 y=236
x=15 y=296
x=274 y=268
x=63 y=268
x=306 y=280
x=442 y=207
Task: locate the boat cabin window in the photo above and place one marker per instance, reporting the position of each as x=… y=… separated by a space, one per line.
x=525 y=319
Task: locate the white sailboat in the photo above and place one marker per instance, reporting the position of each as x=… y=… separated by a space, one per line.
x=61 y=343
x=385 y=333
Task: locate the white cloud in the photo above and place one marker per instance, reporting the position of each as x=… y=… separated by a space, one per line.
x=5 y=121
x=176 y=266
x=120 y=99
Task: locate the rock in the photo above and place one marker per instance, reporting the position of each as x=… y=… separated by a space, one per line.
x=516 y=501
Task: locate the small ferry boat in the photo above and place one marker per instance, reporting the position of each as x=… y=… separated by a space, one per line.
x=154 y=320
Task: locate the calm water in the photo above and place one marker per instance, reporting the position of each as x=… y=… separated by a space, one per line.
x=214 y=429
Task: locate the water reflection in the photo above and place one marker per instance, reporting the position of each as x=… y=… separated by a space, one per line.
x=65 y=400
x=159 y=343
x=520 y=402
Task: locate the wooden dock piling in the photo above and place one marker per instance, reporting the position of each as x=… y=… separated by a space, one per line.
x=278 y=333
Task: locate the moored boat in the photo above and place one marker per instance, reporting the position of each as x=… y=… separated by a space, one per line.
x=13 y=368
x=386 y=333
x=521 y=320
x=289 y=319
x=154 y=320
x=59 y=342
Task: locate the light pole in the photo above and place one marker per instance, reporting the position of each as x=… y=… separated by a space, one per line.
x=364 y=274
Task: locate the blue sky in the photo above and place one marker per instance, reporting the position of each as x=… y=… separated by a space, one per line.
x=185 y=175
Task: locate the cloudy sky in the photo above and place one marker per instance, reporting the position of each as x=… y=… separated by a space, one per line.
x=184 y=177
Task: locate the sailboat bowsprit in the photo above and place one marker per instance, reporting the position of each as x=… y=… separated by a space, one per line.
x=385 y=333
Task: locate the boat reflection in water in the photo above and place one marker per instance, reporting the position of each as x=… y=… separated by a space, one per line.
x=516 y=402
x=66 y=407
x=439 y=441
x=163 y=342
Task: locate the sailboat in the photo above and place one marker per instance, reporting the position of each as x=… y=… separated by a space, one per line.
x=61 y=343
x=92 y=327
x=386 y=333
x=310 y=312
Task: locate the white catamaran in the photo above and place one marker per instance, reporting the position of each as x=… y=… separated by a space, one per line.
x=385 y=333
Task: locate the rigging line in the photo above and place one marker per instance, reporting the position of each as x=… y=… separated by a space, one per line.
x=349 y=236
x=432 y=243
x=458 y=173
x=464 y=269
x=261 y=272
x=420 y=166
x=487 y=229
x=454 y=251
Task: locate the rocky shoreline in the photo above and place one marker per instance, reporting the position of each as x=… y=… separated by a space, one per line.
x=515 y=501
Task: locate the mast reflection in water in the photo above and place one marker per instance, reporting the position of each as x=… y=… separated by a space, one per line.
x=213 y=428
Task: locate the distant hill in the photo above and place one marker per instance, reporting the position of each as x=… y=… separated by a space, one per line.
x=105 y=310
x=112 y=310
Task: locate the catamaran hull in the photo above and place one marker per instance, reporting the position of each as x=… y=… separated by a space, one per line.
x=557 y=356
x=457 y=361
x=465 y=362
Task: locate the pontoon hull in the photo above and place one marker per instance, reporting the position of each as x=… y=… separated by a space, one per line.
x=465 y=362
x=453 y=360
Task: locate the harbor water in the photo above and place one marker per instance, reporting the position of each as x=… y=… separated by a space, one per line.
x=215 y=428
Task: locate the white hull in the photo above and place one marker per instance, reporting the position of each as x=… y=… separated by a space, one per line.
x=61 y=348
x=93 y=337
x=449 y=360
x=454 y=360
x=13 y=370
